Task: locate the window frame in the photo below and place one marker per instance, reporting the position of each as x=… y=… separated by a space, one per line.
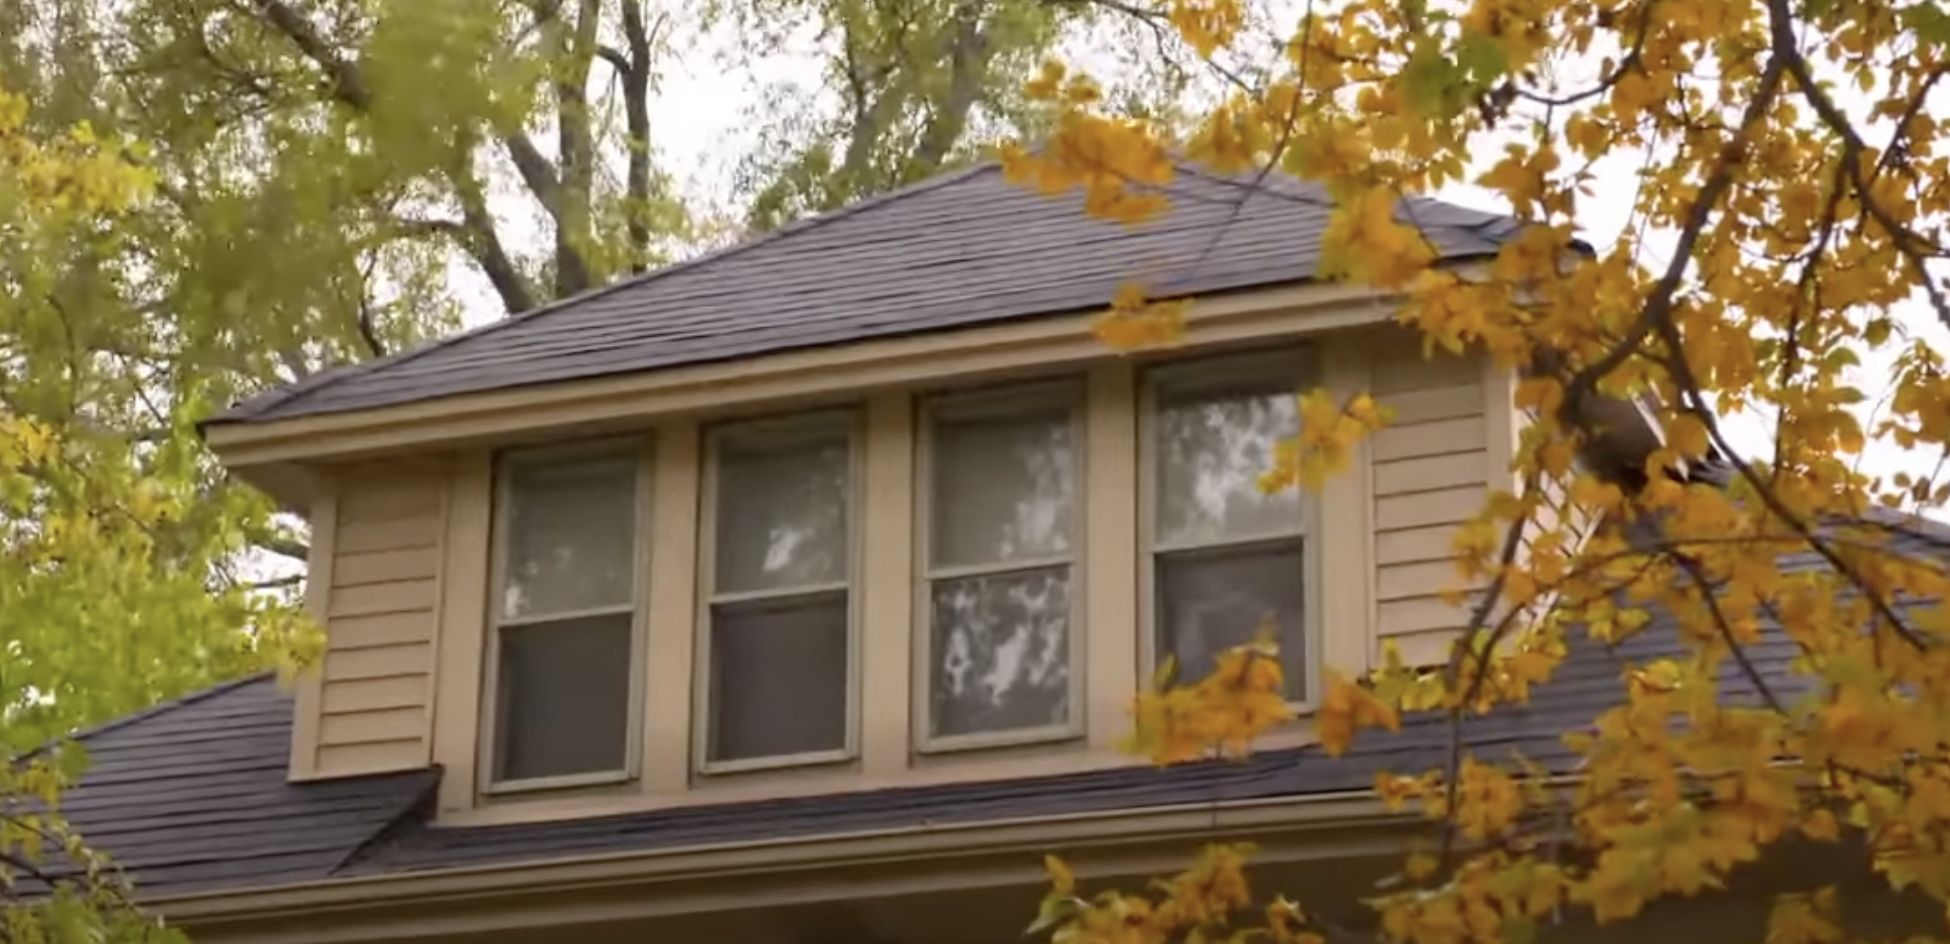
x=1069 y=392
x=1301 y=363
x=850 y=421
x=641 y=450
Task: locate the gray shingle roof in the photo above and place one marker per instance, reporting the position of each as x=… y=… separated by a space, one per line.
x=191 y=796
x=967 y=248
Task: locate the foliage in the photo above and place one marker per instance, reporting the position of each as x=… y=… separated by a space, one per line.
x=1790 y=201
x=203 y=198
x=909 y=89
x=93 y=528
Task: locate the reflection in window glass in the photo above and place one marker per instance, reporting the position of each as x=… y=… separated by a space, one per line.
x=1211 y=601
x=1212 y=446
x=570 y=536
x=780 y=668
x=1228 y=558
x=782 y=513
x=564 y=633
x=1005 y=488
x=1001 y=651
x=1002 y=531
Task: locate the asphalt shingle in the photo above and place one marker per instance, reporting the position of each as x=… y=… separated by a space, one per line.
x=191 y=796
x=968 y=248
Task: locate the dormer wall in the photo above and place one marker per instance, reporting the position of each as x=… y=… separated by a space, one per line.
x=375 y=581
x=405 y=557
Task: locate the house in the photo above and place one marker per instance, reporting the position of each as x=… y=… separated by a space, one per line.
x=795 y=594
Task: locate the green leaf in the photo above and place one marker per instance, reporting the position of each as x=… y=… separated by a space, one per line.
x=1433 y=82
x=1928 y=20
x=1482 y=58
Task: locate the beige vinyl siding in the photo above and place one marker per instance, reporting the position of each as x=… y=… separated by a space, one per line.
x=374 y=688
x=1430 y=473
x=1556 y=513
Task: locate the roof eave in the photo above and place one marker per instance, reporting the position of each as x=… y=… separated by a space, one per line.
x=1321 y=825
x=276 y=453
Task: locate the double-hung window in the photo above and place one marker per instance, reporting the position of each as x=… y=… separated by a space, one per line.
x=1225 y=558
x=566 y=630
x=998 y=608
x=778 y=658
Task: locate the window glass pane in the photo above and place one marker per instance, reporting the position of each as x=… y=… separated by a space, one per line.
x=1001 y=651
x=782 y=512
x=565 y=698
x=570 y=536
x=1004 y=487
x=1210 y=601
x=779 y=675
x=1213 y=444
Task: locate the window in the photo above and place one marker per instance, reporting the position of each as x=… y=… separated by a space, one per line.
x=777 y=648
x=1225 y=557
x=999 y=639
x=565 y=633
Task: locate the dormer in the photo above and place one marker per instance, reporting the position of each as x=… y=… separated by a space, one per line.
x=863 y=504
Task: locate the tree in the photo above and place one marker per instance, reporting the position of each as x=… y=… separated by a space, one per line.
x=1787 y=224
x=911 y=88
x=95 y=525
x=203 y=198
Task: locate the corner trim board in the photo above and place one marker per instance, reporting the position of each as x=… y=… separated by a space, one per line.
x=309 y=697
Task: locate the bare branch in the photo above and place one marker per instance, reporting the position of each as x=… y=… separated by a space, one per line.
x=1658 y=307
x=367 y=318
x=965 y=56
x=616 y=59
x=348 y=86
x=636 y=111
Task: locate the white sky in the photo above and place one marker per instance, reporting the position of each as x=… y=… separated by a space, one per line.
x=703 y=121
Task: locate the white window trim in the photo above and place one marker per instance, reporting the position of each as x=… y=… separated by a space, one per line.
x=641 y=449
x=1068 y=393
x=849 y=421
x=1301 y=364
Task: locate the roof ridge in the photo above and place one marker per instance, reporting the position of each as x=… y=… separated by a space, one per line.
x=162 y=707
x=327 y=378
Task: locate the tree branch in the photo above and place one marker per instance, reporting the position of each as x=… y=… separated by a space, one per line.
x=571 y=49
x=965 y=56
x=1658 y=308
x=636 y=112
x=348 y=86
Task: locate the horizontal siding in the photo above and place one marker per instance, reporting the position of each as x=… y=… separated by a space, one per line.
x=380 y=629
x=1439 y=438
x=351 y=760
x=378 y=661
x=392 y=534
x=1555 y=513
x=359 y=569
x=375 y=696
x=1448 y=470
x=1429 y=474
x=375 y=599
x=373 y=727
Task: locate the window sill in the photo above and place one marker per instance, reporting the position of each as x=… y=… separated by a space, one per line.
x=601 y=778
x=959 y=743
x=720 y=768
